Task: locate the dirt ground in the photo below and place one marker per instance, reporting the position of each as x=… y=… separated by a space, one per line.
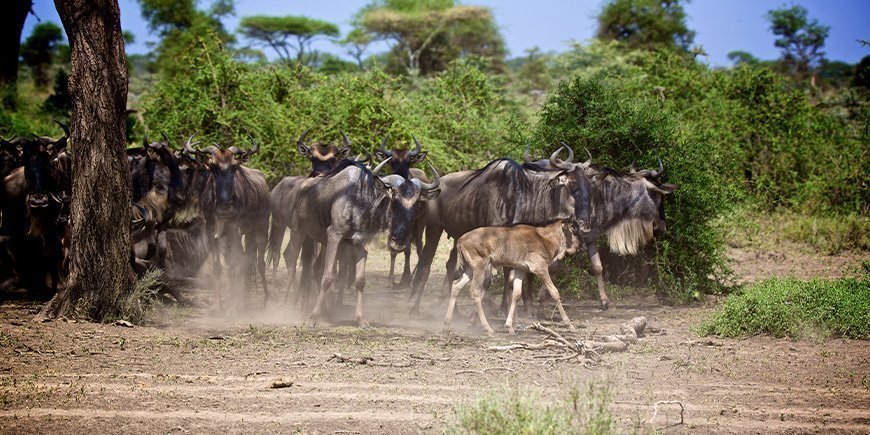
x=196 y=370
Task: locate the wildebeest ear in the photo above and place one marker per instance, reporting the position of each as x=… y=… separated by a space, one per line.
x=559 y=180
x=380 y=154
x=384 y=187
x=665 y=189
x=343 y=152
x=430 y=194
x=304 y=150
x=417 y=158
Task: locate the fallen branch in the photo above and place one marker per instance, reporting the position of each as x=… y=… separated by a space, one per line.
x=281 y=384
x=340 y=358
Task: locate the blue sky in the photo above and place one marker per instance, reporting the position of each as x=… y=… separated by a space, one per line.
x=721 y=26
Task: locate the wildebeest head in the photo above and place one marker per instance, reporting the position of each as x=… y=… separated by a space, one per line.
x=225 y=165
x=401 y=160
x=404 y=196
x=628 y=206
x=166 y=173
x=323 y=156
x=37 y=157
x=10 y=154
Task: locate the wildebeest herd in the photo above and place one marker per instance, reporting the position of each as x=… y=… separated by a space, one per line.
x=192 y=204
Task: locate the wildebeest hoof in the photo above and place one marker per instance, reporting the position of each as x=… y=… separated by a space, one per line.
x=605 y=305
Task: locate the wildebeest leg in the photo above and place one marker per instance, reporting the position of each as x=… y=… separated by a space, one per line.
x=433 y=235
x=310 y=252
x=506 y=272
x=258 y=244
x=418 y=245
x=515 y=277
x=598 y=269
x=360 y=283
x=542 y=271
x=406 y=271
x=476 y=286
x=457 y=287
x=392 y=276
x=290 y=256
x=329 y=254
x=451 y=271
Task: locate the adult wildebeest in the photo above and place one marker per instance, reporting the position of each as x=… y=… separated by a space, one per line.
x=10 y=155
x=521 y=248
x=627 y=207
x=241 y=209
x=400 y=163
x=502 y=193
x=352 y=204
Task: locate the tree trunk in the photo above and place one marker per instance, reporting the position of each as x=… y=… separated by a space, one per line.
x=11 y=24
x=100 y=274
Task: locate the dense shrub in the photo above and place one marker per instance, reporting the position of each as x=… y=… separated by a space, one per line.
x=788 y=307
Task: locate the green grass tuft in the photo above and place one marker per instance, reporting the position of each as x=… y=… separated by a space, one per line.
x=789 y=307
x=519 y=412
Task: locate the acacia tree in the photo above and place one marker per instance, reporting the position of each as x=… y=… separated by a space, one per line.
x=356 y=43
x=645 y=24
x=100 y=274
x=800 y=38
x=429 y=34
x=286 y=35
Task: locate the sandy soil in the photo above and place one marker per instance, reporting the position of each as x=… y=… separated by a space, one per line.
x=195 y=370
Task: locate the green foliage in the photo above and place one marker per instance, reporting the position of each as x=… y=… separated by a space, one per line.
x=619 y=125
x=586 y=412
x=740 y=57
x=39 y=50
x=59 y=102
x=135 y=306
x=788 y=307
x=166 y=16
x=274 y=32
x=800 y=38
x=645 y=24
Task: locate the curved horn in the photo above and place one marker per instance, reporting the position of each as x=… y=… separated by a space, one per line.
x=435 y=182
x=570 y=158
x=417 y=144
x=380 y=165
x=554 y=160
x=526 y=158
x=631 y=167
x=661 y=169
x=145 y=140
x=588 y=162
x=383 y=147
x=344 y=138
x=363 y=157
x=189 y=145
x=63 y=127
x=235 y=150
x=254 y=145
x=165 y=138
x=301 y=140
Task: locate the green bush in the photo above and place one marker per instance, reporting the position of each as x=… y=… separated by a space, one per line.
x=512 y=413
x=788 y=307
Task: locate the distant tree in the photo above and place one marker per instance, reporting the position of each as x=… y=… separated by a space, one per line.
x=11 y=25
x=331 y=64
x=39 y=51
x=289 y=36
x=645 y=24
x=166 y=16
x=356 y=43
x=862 y=73
x=533 y=72
x=100 y=276
x=800 y=38
x=742 y=57
x=836 y=73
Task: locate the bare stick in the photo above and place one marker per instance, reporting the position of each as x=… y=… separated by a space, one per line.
x=667 y=402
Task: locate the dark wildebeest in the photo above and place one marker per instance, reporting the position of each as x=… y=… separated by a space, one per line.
x=241 y=209
x=352 y=204
x=521 y=248
x=627 y=207
x=10 y=155
x=400 y=163
x=503 y=193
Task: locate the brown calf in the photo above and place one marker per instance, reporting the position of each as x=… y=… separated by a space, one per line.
x=523 y=248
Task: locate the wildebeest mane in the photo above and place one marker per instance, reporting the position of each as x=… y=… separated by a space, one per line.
x=511 y=172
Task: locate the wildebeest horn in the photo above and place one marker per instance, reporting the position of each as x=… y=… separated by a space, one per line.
x=380 y=165
x=631 y=167
x=254 y=146
x=526 y=158
x=435 y=182
x=554 y=160
x=588 y=162
x=363 y=157
x=165 y=138
x=301 y=140
x=570 y=158
x=383 y=148
x=235 y=150
x=661 y=169
x=344 y=138
x=145 y=140
x=189 y=145
x=63 y=127
x=417 y=144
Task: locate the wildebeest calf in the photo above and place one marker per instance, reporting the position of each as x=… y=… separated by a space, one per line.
x=523 y=248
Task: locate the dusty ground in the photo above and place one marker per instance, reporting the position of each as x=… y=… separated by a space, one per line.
x=194 y=370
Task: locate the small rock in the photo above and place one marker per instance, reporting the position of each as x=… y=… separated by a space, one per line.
x=123 y=323
x=282 y=383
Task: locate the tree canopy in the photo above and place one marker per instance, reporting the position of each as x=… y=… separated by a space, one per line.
x=39 y=50
x=645 y=24
x=279 y=33
x=800 y=38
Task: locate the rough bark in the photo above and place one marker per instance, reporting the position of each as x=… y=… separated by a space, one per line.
x=100 y=274
x=11 y=25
